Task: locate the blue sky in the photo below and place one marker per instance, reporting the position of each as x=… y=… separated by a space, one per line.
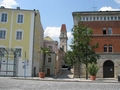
x=54 y=13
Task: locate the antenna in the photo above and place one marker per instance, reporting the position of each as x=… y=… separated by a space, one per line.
x=94 y=8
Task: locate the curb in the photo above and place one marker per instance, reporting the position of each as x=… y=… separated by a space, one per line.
x=70 y=80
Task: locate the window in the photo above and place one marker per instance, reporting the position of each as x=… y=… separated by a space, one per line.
x=100 y=18
x=108 y=18
x=97 y=18
x=20 y=18
x=87 y=18
x=119 y=18
x=104 y=18
x=4 y=17
x=104 y=31
x=63 y=34
x=19 y=35
x=63 y=47
x=83 y=18
x=2 y=34
x=109 y=31
x=2 y=51
x=105 y=48
x=50 y=47
x=111 y=18
x=19 y=51
x=115 y=18
x=80 y=18
x=49 y=60
x=110 y=48
x=94 y=18
x=90 y=18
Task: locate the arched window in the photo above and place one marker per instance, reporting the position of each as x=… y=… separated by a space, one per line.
x=110 y=48
x=104 y=30
x=109 y=31
x=105 y=48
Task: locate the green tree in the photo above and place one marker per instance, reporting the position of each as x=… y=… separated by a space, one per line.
x=82 y=49
x=70 y=58
x=44 y=51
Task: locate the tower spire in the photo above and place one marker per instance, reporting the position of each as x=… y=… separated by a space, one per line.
x=63 y=37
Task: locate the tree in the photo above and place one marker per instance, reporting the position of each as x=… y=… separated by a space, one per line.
x=45 y=51
x=69 y=58
x=82 y=49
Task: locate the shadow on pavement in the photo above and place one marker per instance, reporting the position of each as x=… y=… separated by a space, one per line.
x=65 y=74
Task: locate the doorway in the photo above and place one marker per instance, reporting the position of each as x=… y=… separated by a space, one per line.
x=48 y=71
x=108 y=69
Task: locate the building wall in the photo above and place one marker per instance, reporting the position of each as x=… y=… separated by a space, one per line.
x=102 y=39
x=53 y=45
x=98 y=37
x=38 y=42
x=31 y=29
x=50 y=65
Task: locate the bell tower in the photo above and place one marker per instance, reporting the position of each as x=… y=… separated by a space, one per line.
x=63 y=38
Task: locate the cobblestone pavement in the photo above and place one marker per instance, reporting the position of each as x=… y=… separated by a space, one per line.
x=65 y=74
x=16 y=84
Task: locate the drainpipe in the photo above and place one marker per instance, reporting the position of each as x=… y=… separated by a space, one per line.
x=33 y=41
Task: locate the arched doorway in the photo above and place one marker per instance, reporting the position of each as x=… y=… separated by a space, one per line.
x=108 y=69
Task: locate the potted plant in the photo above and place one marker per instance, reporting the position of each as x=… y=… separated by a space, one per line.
x=44 y=51
x=92 y=70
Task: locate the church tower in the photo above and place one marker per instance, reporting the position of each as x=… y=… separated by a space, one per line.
x=63 y=38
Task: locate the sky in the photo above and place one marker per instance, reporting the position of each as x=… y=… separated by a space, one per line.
x=54 y=13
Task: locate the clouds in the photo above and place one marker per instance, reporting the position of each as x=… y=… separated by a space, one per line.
x=8 y=3
x=117 y=1
x=109 y=8
x=54 y=33
x=105 y=8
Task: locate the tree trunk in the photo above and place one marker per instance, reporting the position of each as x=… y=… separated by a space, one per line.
x=44 y=62
x=86 y=71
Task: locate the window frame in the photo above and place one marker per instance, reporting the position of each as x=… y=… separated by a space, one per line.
x=104 y=18
x=109 y=31
x=4 y=17
x=90 y=18
x=104 y=31
x=112 y=18
x=105 y=48
x=16 y=35
x=50 y=47
x=5 y=34
x=94 y=18
x=110 y=48
x=101 y=18
x=49 y=60
x=108 y=18
x=20 y=18
x=87 y=19
x=97 y=18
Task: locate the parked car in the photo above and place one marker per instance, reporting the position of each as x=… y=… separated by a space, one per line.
x=65 y=67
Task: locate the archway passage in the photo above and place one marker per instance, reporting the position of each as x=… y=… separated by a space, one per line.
x=108 y=69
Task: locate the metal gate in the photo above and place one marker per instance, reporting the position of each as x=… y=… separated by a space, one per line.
x=108 y=69
x=9 y=61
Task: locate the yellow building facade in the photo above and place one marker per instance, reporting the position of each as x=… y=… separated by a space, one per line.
x=21 y=29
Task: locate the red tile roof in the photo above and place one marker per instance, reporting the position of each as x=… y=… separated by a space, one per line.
x=63 y=27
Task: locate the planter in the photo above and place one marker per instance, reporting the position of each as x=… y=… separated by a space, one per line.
x=41 y=74
x=92 y=77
